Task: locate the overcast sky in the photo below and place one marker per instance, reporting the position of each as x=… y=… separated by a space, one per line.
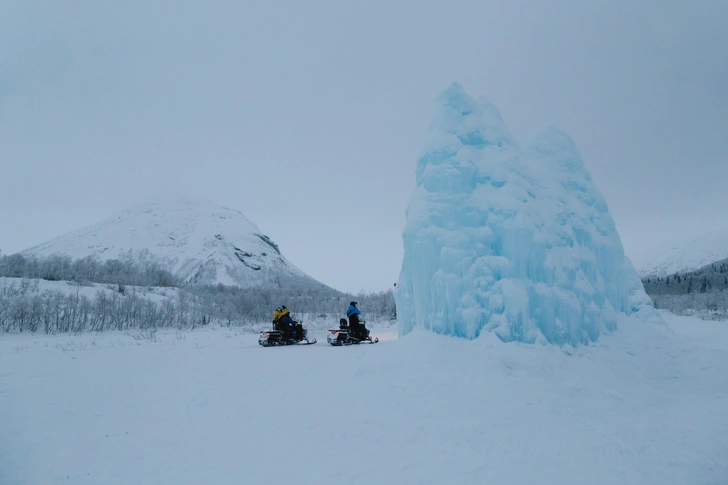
x=308 y=116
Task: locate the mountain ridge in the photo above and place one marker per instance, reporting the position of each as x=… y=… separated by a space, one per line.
x=682 y=254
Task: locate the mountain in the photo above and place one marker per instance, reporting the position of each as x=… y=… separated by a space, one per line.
x=198 y=241
x=683 y=253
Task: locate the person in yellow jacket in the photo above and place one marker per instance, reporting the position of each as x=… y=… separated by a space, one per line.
x=285 y=323
x=277 y=314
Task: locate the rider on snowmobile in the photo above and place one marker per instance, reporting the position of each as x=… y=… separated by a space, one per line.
x=278 y=323
x=356 y=323
x=285 y=323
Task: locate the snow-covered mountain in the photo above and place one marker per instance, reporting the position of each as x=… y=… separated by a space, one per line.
x=683 y=253
x=199 y=241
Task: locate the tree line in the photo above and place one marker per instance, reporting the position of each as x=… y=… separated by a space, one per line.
x=703 y=291
x=138 y=270
x=124 y=298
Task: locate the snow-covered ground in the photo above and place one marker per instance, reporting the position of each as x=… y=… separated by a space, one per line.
x=706 y=333
x=641 y=406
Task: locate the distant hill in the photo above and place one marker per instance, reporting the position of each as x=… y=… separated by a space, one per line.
x=683 y=253
x=177 y=263
x=198 y=241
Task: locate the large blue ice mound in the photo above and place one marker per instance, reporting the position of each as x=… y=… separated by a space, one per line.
x=515 y=241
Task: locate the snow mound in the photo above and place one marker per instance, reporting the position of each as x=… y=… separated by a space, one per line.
x=518 y=242
x=197 y=240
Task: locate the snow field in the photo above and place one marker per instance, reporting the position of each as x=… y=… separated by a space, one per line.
x=642 y=406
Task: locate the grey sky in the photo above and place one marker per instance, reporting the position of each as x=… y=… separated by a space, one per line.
x=309 y=116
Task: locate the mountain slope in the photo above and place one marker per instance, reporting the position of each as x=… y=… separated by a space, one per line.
x=199 y=241
x=682 y=254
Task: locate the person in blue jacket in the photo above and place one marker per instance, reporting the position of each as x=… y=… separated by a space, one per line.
x=356 y=323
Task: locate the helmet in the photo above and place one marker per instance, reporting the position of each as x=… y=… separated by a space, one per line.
x=283 y=307
x=352 y=303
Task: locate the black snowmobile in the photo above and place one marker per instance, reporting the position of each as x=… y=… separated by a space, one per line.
x=345 y=335
x=278 y=337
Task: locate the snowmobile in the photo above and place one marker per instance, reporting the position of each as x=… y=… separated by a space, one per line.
x=344 y=335
x=276 y=337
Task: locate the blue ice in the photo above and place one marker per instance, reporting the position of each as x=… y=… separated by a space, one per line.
x=515 y=241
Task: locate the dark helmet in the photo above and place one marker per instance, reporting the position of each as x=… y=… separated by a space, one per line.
x=352 y=303
x=283 y=307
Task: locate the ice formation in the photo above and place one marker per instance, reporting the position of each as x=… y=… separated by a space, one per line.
x=515 y=241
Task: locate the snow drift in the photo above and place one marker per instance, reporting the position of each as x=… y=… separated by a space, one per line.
x=515 y=241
